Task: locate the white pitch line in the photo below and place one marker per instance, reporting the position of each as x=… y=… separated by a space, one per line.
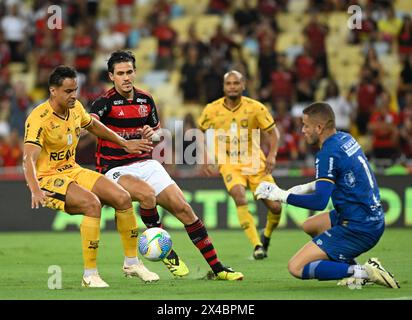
x=397 y=298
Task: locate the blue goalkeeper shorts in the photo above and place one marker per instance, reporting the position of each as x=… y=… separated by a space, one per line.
x=343 y=244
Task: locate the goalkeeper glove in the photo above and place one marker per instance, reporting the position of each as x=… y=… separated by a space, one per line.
x=271 y=191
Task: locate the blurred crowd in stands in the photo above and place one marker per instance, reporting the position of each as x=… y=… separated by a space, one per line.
x=246 y=39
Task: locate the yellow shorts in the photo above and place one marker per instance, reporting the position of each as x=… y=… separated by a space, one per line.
x=234 y=174
x=58 y=183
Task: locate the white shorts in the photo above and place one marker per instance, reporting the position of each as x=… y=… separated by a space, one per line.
x=150 y=171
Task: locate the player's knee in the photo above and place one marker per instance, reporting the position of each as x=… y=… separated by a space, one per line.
x=148 y=198
x=239 y=199
x=139 y=190
x=294 y=269
x=122 y=200
x=239 y=196
x=92 y=207
x=275 y=207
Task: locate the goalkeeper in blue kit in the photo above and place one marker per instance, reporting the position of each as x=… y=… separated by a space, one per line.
x=357 y=222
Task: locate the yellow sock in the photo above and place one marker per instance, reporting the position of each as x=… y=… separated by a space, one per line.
x=127 y=226
x=272 y=222
x=90 y=234
x=248 y=225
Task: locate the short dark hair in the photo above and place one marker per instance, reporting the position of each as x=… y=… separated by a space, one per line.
x=59 y=74
x=120 y=56
x=323 y=111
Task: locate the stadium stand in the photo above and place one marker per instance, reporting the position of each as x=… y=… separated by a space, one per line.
x=225 y=37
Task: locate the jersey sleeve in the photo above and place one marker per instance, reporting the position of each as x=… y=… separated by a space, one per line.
x=326 y=166
x=264 y=118
x=204 y=122
x=100 y=108
x=318 y=200
x=153 y=118
x=34 y=133
x=86 y=117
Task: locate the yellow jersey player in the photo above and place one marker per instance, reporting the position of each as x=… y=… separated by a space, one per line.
x=236 y=122
x=58 y=182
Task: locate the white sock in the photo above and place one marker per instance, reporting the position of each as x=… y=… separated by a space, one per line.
x=89 y=272
x=359 y=272
x=128 y=261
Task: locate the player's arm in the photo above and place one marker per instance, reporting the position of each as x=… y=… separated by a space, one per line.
x=31 y=153
x=273 y=135
x=151 y=134
x=205 y=140
x=326 y=171
x=204 y=123
x=303 y=188
x=132 y=146
x=317 y=200
x=151 y=130
x=267 y=124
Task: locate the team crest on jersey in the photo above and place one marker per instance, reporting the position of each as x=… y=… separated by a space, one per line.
x=58 y=182
x=350 y=179
x=229 y=178
x=143 y=112
x=244 y=123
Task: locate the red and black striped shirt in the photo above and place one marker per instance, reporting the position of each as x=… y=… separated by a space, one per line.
x=125 y=117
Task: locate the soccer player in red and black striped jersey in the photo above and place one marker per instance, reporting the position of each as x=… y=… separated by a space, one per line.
x=132 y=114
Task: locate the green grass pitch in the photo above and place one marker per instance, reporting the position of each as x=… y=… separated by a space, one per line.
x=26 y=257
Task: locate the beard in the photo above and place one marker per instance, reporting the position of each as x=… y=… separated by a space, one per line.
x=233 y=97
x=312 y=140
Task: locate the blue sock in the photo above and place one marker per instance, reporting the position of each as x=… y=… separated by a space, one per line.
x=325 y=270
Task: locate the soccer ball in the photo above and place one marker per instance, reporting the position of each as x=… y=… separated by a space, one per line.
x=155 y=244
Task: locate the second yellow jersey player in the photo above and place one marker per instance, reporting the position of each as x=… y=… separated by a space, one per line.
x=237 y=122
x=236 y=140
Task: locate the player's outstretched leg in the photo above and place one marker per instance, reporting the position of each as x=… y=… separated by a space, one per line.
x=198 y=234
x=176 y=266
